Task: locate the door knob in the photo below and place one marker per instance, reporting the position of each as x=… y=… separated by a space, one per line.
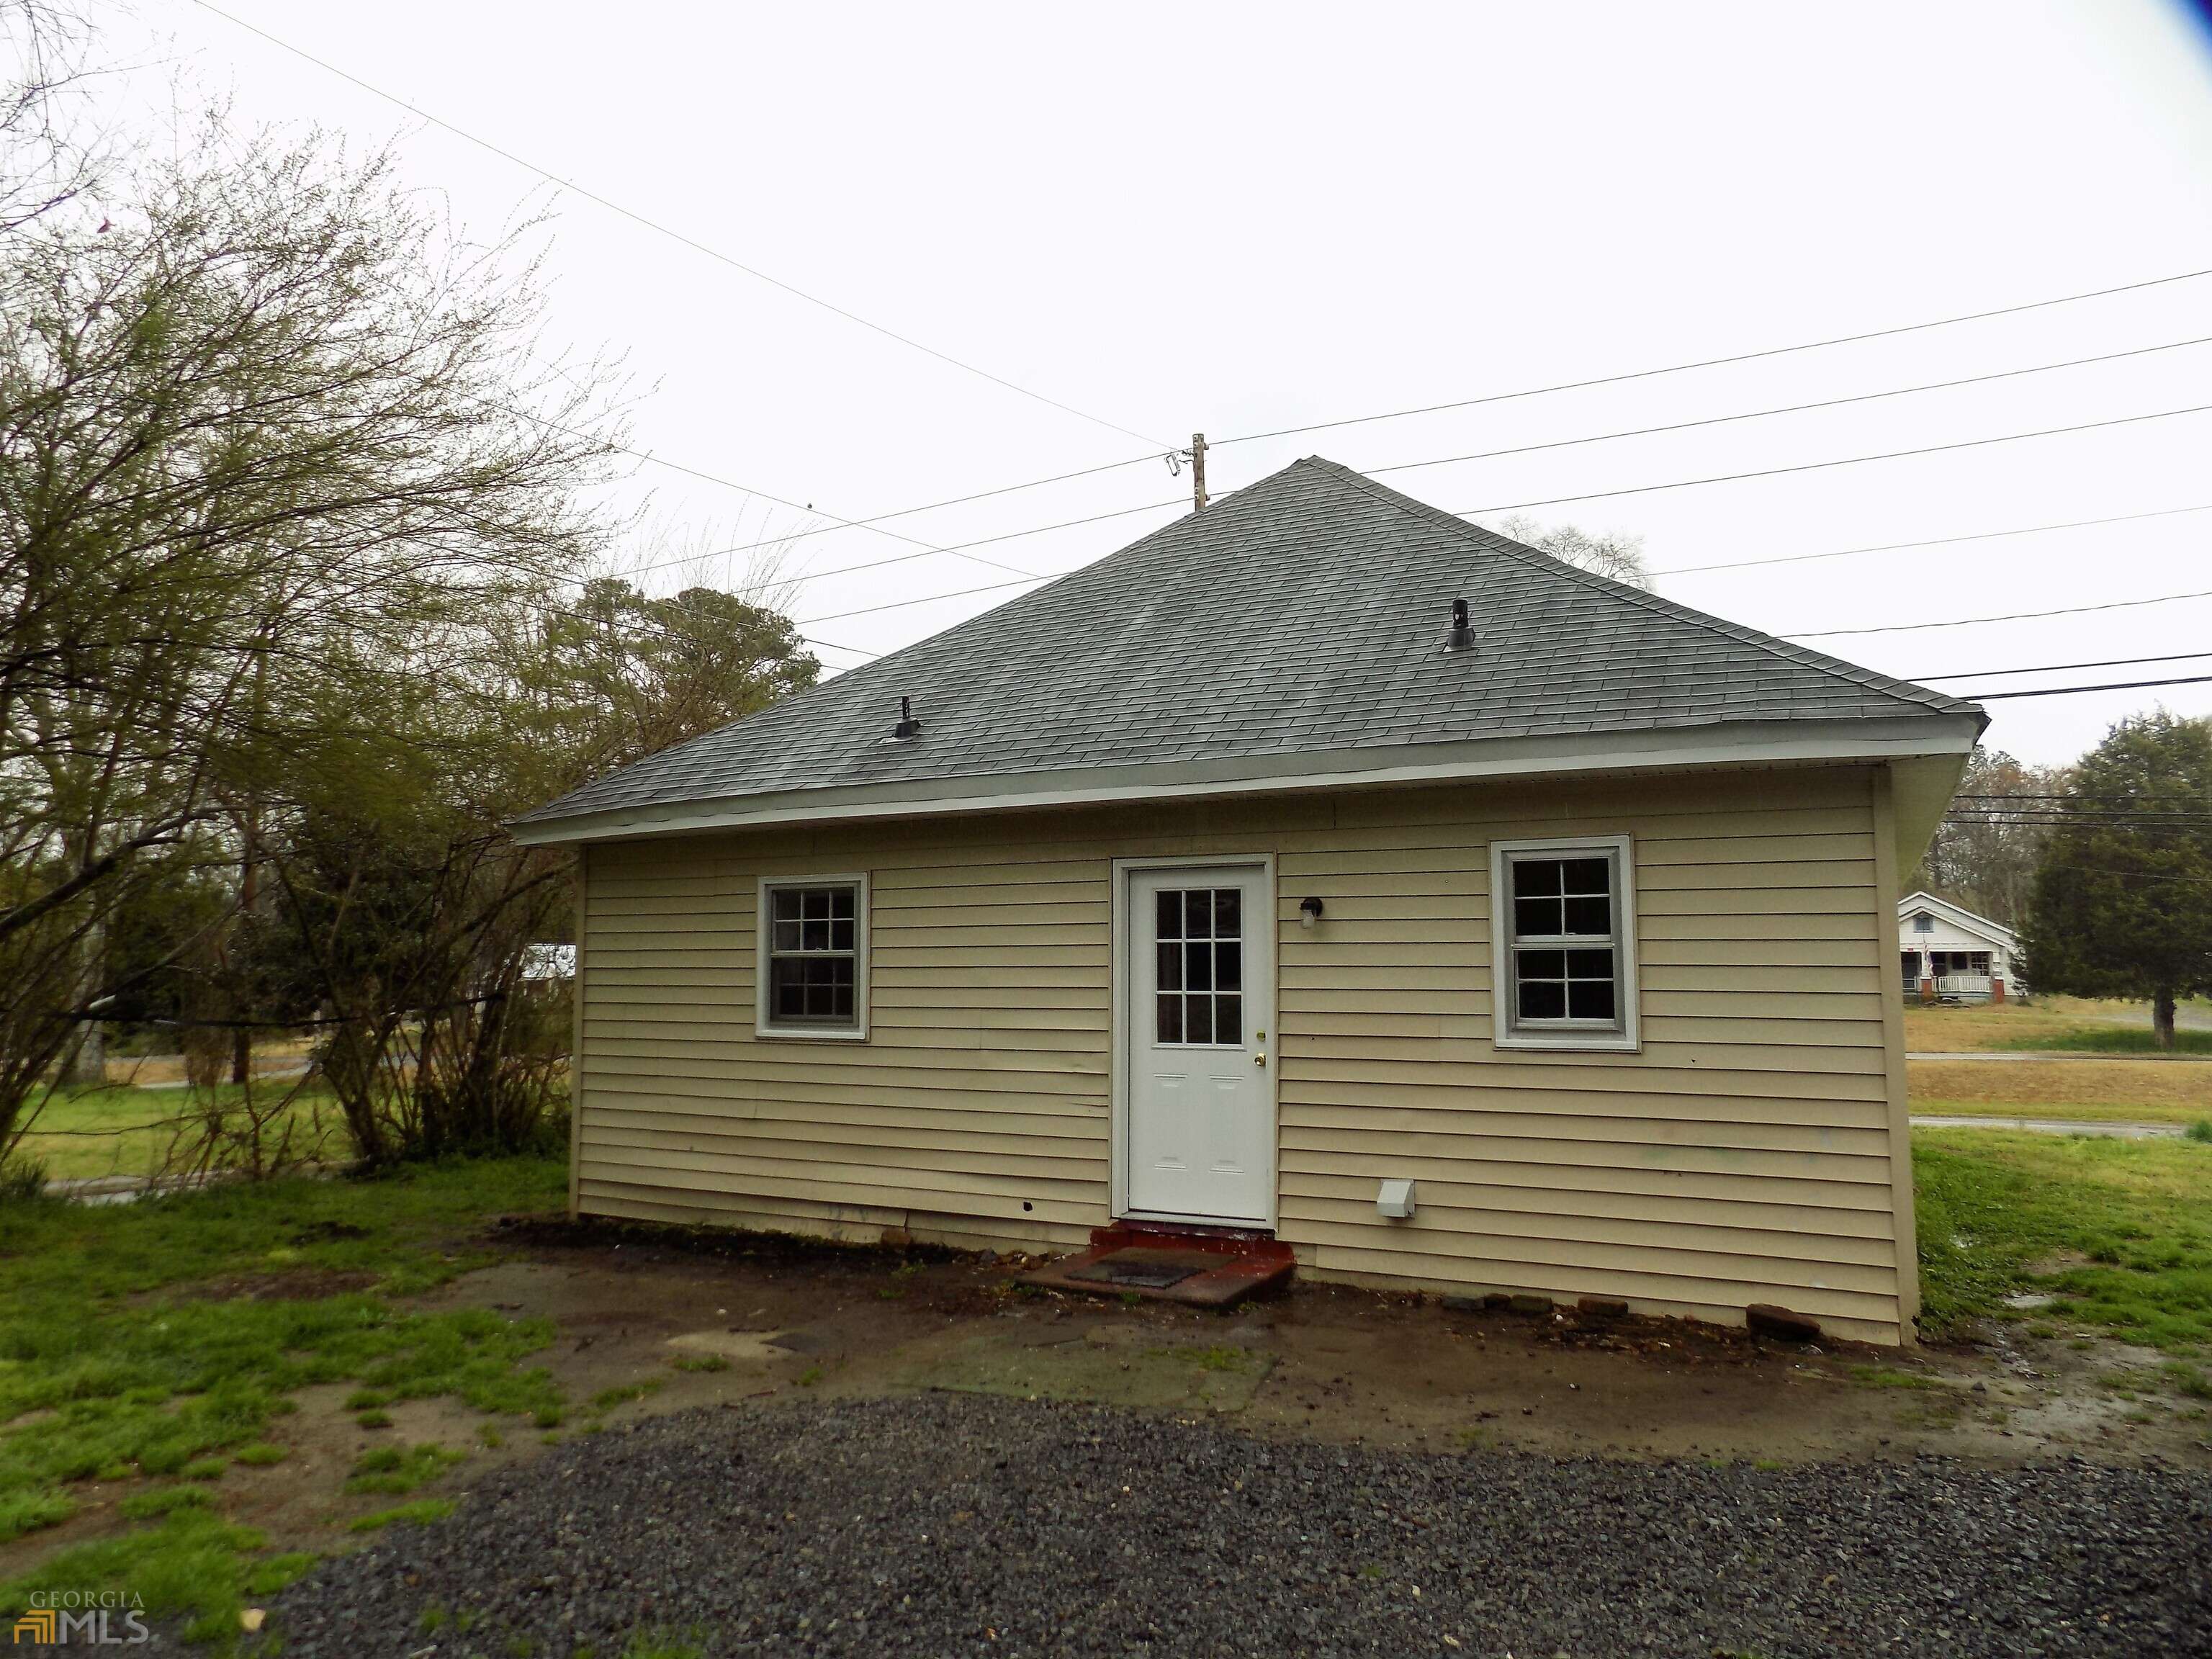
x=1259 y=1059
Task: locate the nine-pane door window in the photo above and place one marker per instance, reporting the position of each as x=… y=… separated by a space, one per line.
x=1198 y=992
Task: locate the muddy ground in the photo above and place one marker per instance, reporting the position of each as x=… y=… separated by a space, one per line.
x=703 y=1322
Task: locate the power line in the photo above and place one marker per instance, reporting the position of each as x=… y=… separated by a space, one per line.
x=1182 y=501
x=691 y=242
x=2013 y=616
x=926 y=548
x=2056 y=668
x=1848 y=460
x=1939 y=541
x=1715 y=362
x=1535 y=392
x=1788 y=408
x=2072 y=690
x=1468 y=512
x=927 y=599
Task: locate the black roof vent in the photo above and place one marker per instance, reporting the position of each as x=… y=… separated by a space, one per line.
x=1461 y=637
x=907 y=726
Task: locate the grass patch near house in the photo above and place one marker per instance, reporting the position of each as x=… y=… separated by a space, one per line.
x=2076 y=1024
x=2090 y=1091
x=147 y=1344
x=2119 y=1232
x=83 y=1133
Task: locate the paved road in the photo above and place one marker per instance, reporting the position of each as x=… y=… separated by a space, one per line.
x=2055 y=1126
x=946 y=1523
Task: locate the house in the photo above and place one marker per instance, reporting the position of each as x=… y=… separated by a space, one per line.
x=1950 y=954
x=1317 y=842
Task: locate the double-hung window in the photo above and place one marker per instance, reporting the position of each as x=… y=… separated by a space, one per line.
x=813 y=967
x=1563 y=937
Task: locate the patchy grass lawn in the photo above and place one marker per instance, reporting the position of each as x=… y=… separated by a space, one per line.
x=2098 y=1090
x=2076 y=1024
x=2118 y=1232
x=152 y=1344
x=86 y=1132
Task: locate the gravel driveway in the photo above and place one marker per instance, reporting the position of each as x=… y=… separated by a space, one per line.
x=942 y=1523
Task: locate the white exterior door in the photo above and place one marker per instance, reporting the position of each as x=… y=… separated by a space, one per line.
x=1197 y=978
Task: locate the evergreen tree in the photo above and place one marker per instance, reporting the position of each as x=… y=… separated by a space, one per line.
x=2123 y=904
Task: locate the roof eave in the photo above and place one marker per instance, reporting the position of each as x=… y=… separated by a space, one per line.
x=1946 y=739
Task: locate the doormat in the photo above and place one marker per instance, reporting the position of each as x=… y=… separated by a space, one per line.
x=1142 y=1269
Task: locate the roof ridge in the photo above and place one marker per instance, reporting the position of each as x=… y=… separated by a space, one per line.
x=1803 y=656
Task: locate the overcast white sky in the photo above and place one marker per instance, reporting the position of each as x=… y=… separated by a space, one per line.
x=1236 y=218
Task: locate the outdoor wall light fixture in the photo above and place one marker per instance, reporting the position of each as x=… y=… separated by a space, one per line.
x=1309 y=913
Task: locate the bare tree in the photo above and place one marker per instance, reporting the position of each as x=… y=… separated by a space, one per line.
x=46 y=155
x=1984 y=855
x=278 y=430
x=1612 y=554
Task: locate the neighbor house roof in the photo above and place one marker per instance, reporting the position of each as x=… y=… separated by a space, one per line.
x=1292 y=632
x=1966 y=920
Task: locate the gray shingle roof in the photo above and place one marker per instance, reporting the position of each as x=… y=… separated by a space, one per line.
x=1305 y=612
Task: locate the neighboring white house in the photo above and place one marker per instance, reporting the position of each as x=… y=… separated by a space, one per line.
x=1949 y=952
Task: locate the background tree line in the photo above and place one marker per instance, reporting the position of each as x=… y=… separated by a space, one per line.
x=302 y=596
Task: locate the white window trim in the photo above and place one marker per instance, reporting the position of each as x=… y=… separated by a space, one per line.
x=1504 y=1034
x=863 y=918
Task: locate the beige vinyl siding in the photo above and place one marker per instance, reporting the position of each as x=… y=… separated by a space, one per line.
x=1750 y=1153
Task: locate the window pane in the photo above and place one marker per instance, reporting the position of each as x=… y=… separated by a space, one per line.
x=786 y=903
x=1229 y=1019
x=817 y=902
x=1169 y=922
x=1228 y=921
x=814 y=935
x=1535 y=877
x=787 y=934
x=1542 y=999
x=1170 y=969
x=841 y=901
x=1535 y=918
x=841 y=935
x=1543 y=964
x=1589 y=964
x=1197 y=1019
x=1589 y=915
x=1587 y=875
x=1228 y=967
x=1590 y=999
x=1198 y=913
x=1170 y=1019
x=1198 y=966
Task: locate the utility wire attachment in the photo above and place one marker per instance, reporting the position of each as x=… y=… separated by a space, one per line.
x=1196 y=456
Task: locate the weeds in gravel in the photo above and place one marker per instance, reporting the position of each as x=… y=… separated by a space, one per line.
x=699 y=1362
x=2132 y=1222
x=665 y=1645
x=149 y=1340
x=422 y=1511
